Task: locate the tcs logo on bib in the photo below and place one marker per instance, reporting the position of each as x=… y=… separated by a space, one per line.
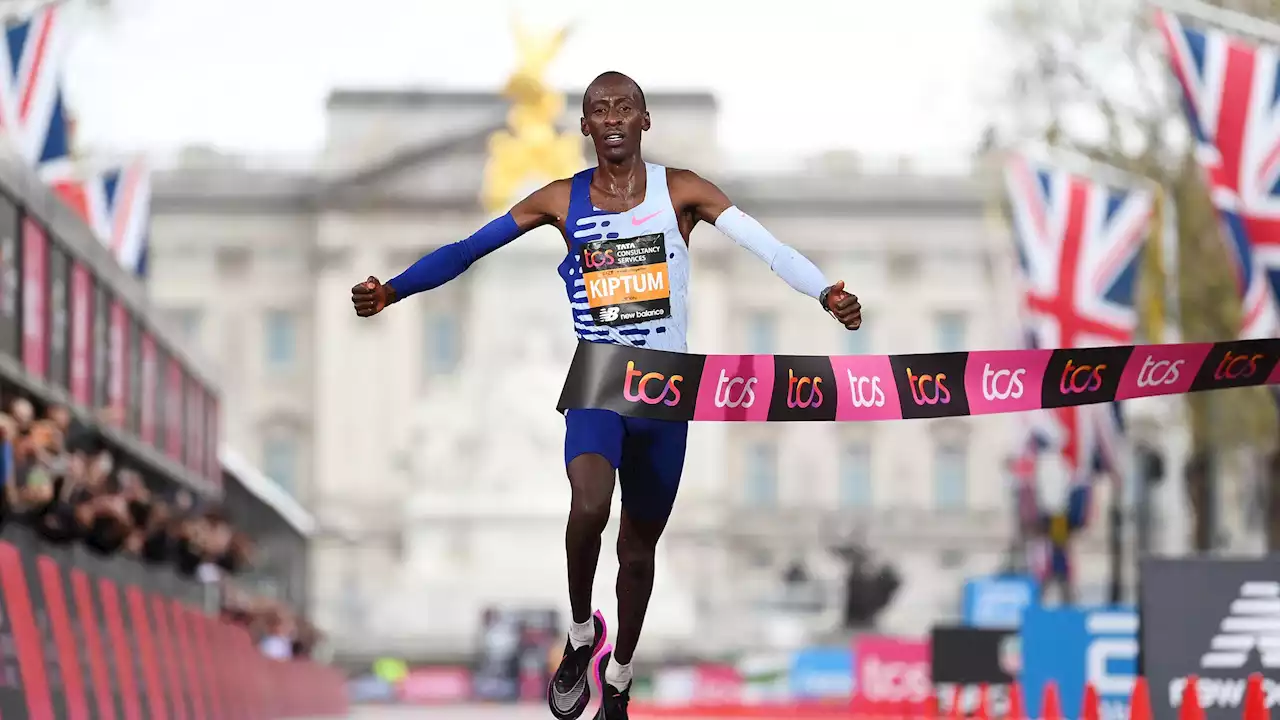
x=597 y=259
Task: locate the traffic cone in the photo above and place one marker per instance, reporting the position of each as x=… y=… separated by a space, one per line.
x=1140 y=701
x=931 y=706
x=1090 y=710
x=1191 y=709
x=1051 y=708
x=1255 y=700
x=981 y=713
x=1016 y=710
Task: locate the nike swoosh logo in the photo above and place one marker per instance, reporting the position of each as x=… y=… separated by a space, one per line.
x=635 y=221
x=564 y=702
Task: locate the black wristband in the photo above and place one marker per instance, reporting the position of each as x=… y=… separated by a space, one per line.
x=822 y=298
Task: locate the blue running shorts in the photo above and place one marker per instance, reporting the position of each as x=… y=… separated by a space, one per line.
x=648 y=455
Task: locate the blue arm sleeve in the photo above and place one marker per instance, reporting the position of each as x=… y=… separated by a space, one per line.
x=448 y=262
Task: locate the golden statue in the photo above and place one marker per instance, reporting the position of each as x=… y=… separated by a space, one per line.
x=530 y=151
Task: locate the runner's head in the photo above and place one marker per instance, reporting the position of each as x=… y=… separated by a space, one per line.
x=614 y=116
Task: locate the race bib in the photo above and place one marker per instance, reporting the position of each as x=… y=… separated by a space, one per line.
x=627 y=280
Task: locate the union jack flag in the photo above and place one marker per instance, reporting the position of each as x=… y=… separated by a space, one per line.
x=1232 y=102
x=32 y=112
x=116 y=204
x=1079 y=245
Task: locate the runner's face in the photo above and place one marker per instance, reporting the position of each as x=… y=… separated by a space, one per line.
x=614 y=117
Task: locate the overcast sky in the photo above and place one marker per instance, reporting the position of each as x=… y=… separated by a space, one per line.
x=883 y=77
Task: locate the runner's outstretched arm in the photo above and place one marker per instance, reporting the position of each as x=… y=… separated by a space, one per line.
x=449 y=261
x=709 y=204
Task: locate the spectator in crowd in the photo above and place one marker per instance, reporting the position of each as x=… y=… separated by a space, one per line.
x=35 y=460
x=277 y=641
x=58 y=479
x=23 y=413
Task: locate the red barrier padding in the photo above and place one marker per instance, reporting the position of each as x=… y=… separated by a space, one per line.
x=17 y=601
x=187 y=659
x=169 y=659
x=147 y=654
x=128 y=685
x=134 y=655
x=63 y=637
x=83 y=596
x=207 y=662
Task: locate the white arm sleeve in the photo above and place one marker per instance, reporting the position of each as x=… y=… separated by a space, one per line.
x=783 y=260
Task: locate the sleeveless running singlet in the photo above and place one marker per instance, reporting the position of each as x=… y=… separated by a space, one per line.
x=627 y=274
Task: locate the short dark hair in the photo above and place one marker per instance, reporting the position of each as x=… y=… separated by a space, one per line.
x=613 y=76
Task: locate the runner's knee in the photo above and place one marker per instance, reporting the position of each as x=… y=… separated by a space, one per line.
x=638 y=541
x=591 y=484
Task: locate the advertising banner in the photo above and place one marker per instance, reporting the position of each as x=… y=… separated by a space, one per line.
x=1227 y=619
x=822 y=674
x=59 y=325
x=10 y=280
x=81 y=335
x=1075 y=646
x=997 y=601
x=35 y=299
x=193 y=457
x=118 y=375
x=213 y=466
x=429 y=685
x=969 y=658
x=718 y=684
x=766 y=677
x=148 y=398
x=136 y=370
x=101 y=346
x=892 y=674
x=173 y=412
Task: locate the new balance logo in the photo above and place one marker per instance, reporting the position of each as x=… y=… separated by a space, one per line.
x=609 y=314
x=1254 y=623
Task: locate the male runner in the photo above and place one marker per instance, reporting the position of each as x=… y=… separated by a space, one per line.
x=631 y=217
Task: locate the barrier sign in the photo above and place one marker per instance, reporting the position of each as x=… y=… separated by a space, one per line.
x=1073 y=647
x=822 y=673
x=998 y=601
x=969 y=658
x=892 y=674
x=1216 y=619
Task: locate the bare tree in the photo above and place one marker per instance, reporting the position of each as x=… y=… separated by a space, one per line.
x=1091 y=77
